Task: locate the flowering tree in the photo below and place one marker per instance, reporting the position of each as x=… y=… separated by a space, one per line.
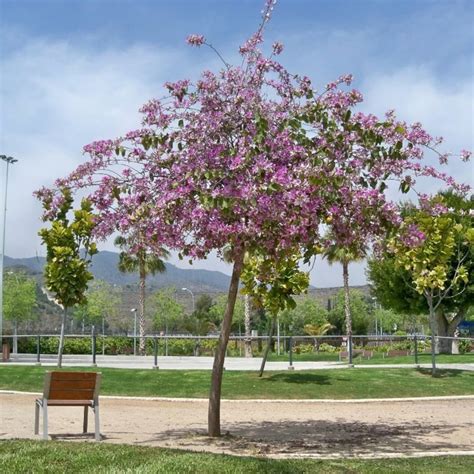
x=250 y=159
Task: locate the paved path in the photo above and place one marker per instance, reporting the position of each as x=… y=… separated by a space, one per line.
x=277 y=429
x=205 y=363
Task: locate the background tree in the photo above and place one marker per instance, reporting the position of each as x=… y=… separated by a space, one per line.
x=344 y=255
x=359 y=310
x=168 y=315
x=389 y=321
x=392 y=284
x=429 y=259
x=133 y=260
x=68 y=253
x=199 y=322
x=339 y=254
x=308 y=311
x=102 y=304
x=19 y=300
x=217 y=310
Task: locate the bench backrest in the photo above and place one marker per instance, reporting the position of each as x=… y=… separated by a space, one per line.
x=395 y=353
x=72 y=385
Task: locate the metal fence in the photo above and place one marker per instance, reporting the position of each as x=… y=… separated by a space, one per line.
x=360 y=348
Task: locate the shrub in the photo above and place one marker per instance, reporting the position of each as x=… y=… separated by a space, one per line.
x=324 y=347
x=304 y=348
x=464 y=346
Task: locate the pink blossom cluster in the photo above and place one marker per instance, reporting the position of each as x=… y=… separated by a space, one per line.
x=251 y=156
x=195 y=40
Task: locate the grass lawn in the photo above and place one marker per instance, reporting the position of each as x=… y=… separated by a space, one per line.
x=320 y=384
x=59 y=457
x=305 y=357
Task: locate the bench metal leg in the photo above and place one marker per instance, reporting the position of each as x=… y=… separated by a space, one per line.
x=97 y=424
x=86 y=414
x=45 y=419
x=37 y=410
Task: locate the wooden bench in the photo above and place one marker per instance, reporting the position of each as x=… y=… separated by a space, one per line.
x=78 y=389
x=398 y=353
x=356 y=352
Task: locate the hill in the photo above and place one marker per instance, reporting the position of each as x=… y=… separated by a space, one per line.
x=104 y=267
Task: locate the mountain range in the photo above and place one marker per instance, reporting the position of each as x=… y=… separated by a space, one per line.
x=105 y=267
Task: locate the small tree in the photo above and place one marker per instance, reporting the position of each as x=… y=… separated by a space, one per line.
x=393 y=287
x=428 y=256
x=145 y=263
x=69 y=250
x=19 y=300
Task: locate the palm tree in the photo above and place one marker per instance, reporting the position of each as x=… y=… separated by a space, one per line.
x=344 y=255
x=317 y=330
x=145 y=264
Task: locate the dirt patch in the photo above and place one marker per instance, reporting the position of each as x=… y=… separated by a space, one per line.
x=269 y=428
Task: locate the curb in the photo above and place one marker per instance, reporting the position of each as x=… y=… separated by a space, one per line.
x=415 y=454
x=304 y=400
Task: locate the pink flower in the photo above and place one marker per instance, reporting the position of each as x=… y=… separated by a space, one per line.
x=195 y=40
x=277 y=47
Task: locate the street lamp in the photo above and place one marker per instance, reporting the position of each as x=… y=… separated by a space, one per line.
x=134 y=311
x=9 y=160
x=192 y=295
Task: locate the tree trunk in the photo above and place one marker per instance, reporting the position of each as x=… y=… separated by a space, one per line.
x=61 y=339
x=15 y=337
x=267 y=348
x=447 y=328
x=214 y=412
x=248 y=333
x=347 y=308
x=141 y=315
x=434 y=332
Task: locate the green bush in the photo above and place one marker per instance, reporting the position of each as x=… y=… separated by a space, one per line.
x=208 y=346
x=304 y=348
x=181 y=347
x=324 y=347
x=464 y=346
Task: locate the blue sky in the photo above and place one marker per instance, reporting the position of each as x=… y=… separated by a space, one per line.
x=78 y=70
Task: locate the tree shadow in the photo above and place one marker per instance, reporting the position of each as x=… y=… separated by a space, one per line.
x=440 y=373
x=321 y=437
x=299 y=378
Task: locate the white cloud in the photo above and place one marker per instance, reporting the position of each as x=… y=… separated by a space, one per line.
x=56 y=98
x=444 y=110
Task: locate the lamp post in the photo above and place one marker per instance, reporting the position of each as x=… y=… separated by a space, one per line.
x=134 y=311
x=9 y=161
x=192 y=296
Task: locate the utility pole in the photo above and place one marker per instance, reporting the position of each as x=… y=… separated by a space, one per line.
x=9 y=161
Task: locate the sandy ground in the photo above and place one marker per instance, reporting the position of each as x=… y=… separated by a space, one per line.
x=262 y=428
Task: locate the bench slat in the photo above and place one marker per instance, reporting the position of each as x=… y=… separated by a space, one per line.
x=72 y=384
x=71 y=395
x=73 y=375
